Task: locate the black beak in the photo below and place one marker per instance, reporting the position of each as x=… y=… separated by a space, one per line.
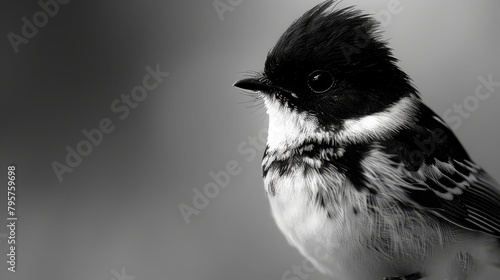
x=253 y=85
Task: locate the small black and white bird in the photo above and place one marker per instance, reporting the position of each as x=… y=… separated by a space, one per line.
x=362 y=177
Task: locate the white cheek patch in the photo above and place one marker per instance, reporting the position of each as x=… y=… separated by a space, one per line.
x=379 y=125
x=289 y=128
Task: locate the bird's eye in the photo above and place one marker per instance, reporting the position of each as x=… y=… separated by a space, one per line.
x=320 y=81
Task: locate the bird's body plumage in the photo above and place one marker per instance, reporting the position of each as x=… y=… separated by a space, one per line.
x=335 y=201
x=362 y=177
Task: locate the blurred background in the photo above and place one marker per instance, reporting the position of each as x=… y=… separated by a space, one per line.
x=117 y=213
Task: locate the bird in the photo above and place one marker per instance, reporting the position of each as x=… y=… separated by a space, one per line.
x=362 y=177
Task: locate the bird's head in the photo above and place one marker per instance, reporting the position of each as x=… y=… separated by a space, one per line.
x=331 y=76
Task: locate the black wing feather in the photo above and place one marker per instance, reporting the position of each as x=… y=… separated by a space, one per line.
x=461 y=192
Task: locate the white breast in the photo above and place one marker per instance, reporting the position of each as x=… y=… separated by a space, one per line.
x=324 y=234
x=343 y=237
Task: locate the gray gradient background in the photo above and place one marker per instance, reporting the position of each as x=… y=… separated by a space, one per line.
x=119 y=208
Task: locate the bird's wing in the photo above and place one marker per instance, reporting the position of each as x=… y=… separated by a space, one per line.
x=439 y=176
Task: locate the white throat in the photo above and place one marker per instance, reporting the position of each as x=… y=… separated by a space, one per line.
x=289 y=128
